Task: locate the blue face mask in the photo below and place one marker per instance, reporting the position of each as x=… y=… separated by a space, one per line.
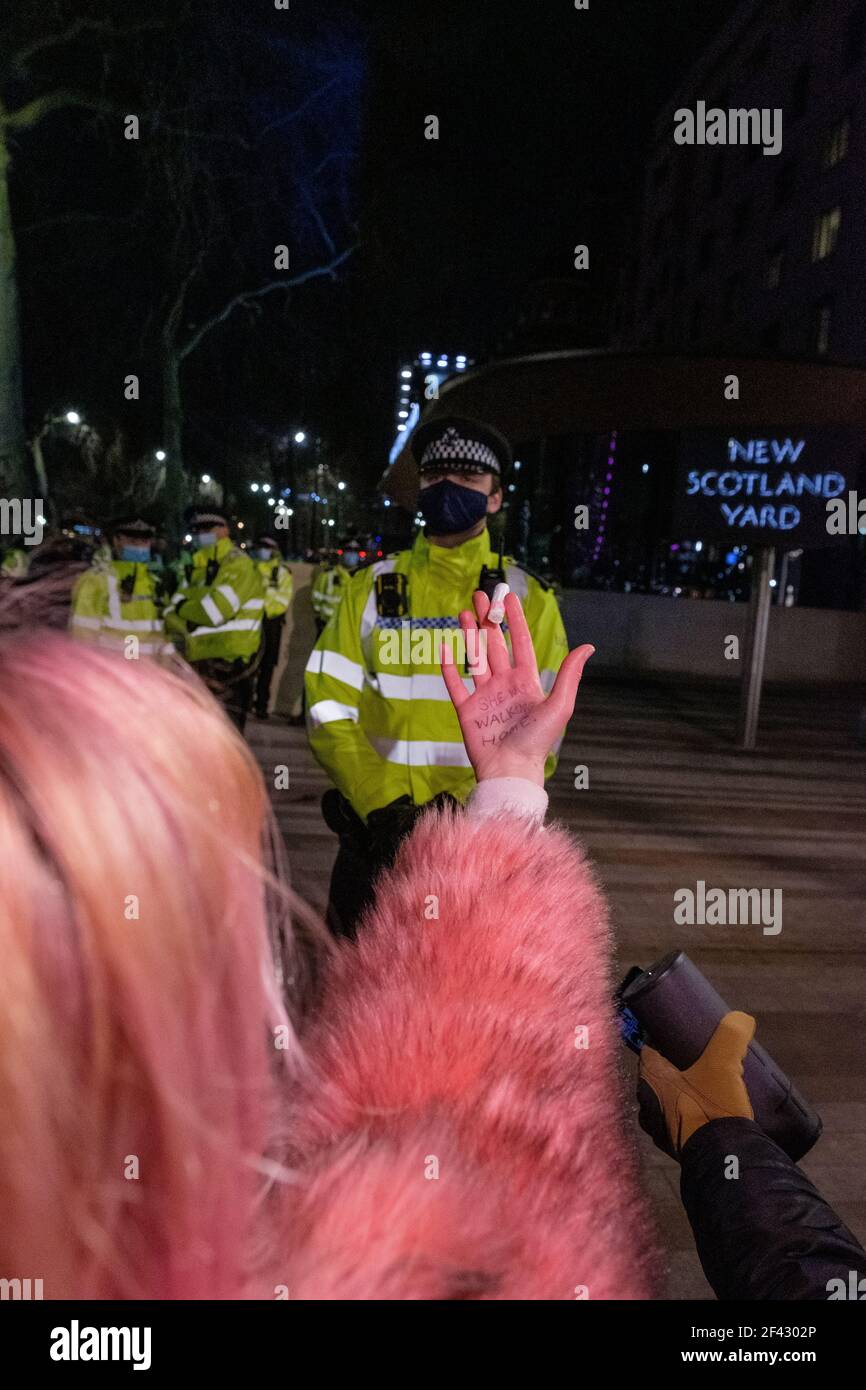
x=202 y=540
x=350 y=559
x=136 y=554
x=265 y=554
x=449 y=508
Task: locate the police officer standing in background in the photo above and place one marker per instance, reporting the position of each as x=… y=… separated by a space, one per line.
x=385 y=730
x=331 y=580
x=277 y=579
x=118 y=597
x=217 y=612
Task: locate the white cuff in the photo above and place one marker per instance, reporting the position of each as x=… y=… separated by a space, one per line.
x=515 y=795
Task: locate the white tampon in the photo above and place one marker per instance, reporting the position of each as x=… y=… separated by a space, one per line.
x=496 y=612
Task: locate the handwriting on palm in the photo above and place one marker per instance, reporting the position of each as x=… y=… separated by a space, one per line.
x=507 y=721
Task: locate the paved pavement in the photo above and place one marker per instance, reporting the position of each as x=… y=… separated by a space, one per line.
x=670 y=801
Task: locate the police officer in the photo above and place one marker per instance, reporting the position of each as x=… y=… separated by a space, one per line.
x=378 y=715
x=331 y=580
x=118 y=597
x=217 y=612
x=14 y=563
x=277 y=579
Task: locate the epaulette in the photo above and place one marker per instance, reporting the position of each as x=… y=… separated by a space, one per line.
x=543 y=583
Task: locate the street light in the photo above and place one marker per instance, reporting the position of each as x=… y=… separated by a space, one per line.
x=300 y=437
x=254 y=487
x=160 y=453
x=266 y=487
x=73 y=417
x=205 y=477
x=341 y=487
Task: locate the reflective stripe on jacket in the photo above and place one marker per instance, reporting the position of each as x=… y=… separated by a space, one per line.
x=103 y=614
x=277 y=579
x=329 y=585
x=380 y=722
x=221 y=619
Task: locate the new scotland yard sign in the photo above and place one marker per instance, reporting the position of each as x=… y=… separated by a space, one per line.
x=764 y=486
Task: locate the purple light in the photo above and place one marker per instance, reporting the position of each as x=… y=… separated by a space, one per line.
x=606 y=491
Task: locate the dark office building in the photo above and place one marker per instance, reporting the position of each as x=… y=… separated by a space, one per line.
x=740 y=250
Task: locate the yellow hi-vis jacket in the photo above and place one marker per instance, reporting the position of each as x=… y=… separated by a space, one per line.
x=15 y=564
x=114 y=601
x=329 y=585
x=277 y=579
x=382 y=724
x=219 y=613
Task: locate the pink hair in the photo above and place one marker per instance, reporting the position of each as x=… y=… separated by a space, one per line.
x=140 y=1055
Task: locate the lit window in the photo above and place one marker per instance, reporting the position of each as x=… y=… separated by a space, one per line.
x=823 y=323
x=826 y=233
x=836 y=143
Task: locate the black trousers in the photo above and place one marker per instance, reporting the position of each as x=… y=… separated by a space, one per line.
x=272 y=631
x=365 y=850
x=351 y=890
x=229 y=683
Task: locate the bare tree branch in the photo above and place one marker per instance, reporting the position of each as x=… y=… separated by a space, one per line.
x=319 y=220
x=247 y=296
x=69 y=219
x=299 y=111
x=187 y=134
x=74 y=31
x=35 y=110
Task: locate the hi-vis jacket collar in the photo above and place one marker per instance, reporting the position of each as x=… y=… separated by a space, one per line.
x=214 y=552
x=455 y=562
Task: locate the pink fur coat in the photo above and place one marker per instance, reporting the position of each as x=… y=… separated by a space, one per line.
x=460 y=1134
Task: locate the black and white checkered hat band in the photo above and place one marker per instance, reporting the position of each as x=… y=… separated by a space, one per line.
x=471 y=455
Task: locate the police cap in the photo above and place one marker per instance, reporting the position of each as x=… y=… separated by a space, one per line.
x=456 y=444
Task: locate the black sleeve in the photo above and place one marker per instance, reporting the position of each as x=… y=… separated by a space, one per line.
x=767 y=1234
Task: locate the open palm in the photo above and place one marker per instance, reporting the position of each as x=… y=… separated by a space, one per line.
x=509 y=725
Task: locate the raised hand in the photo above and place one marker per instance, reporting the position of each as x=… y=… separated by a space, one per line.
x=509 y=725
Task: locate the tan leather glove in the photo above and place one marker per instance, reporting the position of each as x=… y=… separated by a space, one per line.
x=711 y=1089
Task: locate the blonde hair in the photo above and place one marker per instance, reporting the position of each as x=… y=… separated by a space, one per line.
x=145 y=1046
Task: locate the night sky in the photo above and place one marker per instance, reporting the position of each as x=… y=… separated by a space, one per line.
x=545 y=115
